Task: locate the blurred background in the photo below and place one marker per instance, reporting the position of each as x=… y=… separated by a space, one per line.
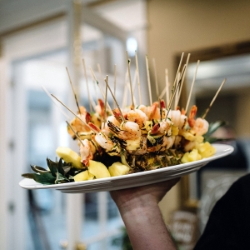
x=39 y=39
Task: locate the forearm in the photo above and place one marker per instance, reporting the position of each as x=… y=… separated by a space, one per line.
x=142 y=216
x=147 y=221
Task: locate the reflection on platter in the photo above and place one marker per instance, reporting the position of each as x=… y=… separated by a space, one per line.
x=131 y=180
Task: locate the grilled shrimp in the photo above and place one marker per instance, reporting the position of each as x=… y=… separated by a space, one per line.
x=79 y=125
x=87 y=151
x=177 y=118
x=152 y=112
x=100 y=108
x=198 y=126
x=163 y=128
x=112 y=119
x=126 y=131
x=110 y=146
x=168 y=141
x=137 y=116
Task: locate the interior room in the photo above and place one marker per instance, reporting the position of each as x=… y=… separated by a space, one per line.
x=50 y=46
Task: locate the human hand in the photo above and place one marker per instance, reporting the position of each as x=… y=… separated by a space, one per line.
x=142 y=216
x=144 y=195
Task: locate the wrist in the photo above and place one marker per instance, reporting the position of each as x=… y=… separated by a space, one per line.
x=137 y=207
x=136 y=201
x=145 y=226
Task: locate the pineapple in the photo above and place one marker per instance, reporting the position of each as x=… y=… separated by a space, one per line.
x=191 y=156
x=98 y=169
x=117 y=168
x=206 y=149
x=82 y=176
x=70 y=156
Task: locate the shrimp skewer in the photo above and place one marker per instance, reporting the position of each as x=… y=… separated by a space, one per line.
x=198 y=126
x=87 y=151
x=87 y=148
x=77 y=124
x=126 y=131
x=111 y=146
x=137 y=116
x=70 y=111
x=106 y=81
x=151 y=133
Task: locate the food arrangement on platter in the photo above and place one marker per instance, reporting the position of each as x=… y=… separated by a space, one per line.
x=135 y=138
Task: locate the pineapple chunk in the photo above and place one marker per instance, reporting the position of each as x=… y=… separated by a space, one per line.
x=133 y=144
x=91 y=176
x=199 y=138
x=83 y=176
x=174 y=130
x=117 y=168
x=187 y=135
x=191 y=156
x=98 y=169
x=70 y=156
x=206 y=149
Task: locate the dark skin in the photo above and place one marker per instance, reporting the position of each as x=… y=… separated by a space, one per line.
x=142 y=216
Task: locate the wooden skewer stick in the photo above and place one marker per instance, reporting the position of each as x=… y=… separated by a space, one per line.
x=156 y=81
x=210 y=105
x=130 y=82
x=46 y=91
x=77 y=103
x=134 y=88
x=149 y=84
x=178 y=69
x=160 y=109
x=180 y=81
x=192 y=85
x=183 y=78
x=100 y=74
x=99 y=68
x=73 y=113
x=124 y=100
x=172 y=98
x=134 y=85
x=114 y=82
x=167 y=86
x=95 y=86
x=106 y=81
x=100 y=88
x=94 y=80
x=162 y=93
x=176 y=81
x=138 y=77
x=87 y=84
x=77 y=136
x=105 y=103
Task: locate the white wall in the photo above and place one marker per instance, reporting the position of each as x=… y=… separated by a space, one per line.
x=179 y=25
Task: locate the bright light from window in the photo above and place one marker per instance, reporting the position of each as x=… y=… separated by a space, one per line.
x=131 y=46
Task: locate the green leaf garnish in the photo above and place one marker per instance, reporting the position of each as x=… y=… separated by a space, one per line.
x=57 y=172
